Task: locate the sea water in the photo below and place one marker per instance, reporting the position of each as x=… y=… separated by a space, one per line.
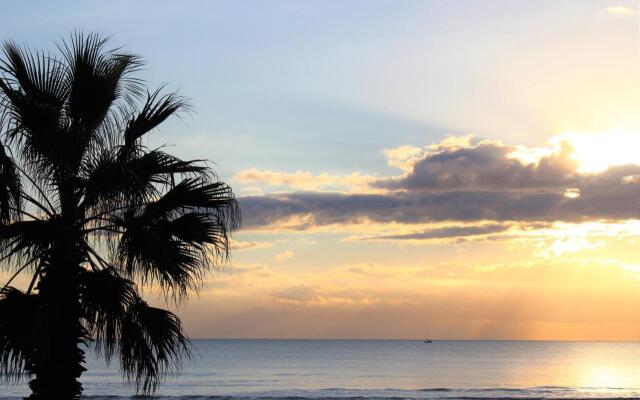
x=385 y=369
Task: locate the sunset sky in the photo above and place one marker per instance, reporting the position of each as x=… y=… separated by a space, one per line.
x=470 y=167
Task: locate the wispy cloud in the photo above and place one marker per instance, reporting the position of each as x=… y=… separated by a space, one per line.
x=237 y=245
x=285 y=255
x=447 y=232
x=305 y=180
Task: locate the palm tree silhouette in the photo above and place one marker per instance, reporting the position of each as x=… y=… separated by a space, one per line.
x=90 y=214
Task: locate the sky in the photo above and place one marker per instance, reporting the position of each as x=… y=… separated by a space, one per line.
x=466 y=167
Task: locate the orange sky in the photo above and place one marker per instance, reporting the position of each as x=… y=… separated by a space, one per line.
x=467 y=167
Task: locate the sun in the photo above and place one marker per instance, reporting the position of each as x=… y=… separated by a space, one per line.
x=595 y=152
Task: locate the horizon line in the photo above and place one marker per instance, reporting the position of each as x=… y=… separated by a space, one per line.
x=422 y=339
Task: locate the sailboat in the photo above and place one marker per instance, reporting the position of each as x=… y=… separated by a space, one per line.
x=426 y=338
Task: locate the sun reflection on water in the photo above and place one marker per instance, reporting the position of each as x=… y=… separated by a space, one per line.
x=605 y=377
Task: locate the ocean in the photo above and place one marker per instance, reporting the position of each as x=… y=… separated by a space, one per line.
x=385 y=369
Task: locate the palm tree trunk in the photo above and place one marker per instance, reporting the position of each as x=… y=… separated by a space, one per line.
x=60 y=358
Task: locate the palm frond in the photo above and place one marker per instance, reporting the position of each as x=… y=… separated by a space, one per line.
x=155 y=111
x=32 y=93
x=10 y=188
x=105 y=297
x=152 y=345
x=113 y=179
x=37 y=74
x=214 y=197
x=29 y=239
x=98 y=78
x=34 y=128
x=18 y=333
x=149 y=252
x=174 y=240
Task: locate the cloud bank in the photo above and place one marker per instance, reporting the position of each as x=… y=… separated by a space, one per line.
x=463 y=180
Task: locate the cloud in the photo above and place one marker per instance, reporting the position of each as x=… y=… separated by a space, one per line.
x=252 y=270
x=487 y=165
x=305 y=180
x=445 y=232
x=547 y=240
x=403 y=157
x=367 y=269
x=296 y=294
x=604 y=197
x=465 y=181
x=237 y=245
x=285 y=255
x=632 y=179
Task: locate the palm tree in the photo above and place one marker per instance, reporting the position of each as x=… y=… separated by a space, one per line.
x=90 y=214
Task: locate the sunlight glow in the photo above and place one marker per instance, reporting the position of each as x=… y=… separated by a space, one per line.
x=621 y=10
x=598 y=151
x=604 y=378
x=572 y=193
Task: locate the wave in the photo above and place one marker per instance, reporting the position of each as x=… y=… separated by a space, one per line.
x=435 y=393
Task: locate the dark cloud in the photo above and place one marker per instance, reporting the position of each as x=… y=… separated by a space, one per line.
x=487 y=166
x=402 y=207
x=599 y=199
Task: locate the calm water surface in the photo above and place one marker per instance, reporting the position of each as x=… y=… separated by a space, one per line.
x=388 y=369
